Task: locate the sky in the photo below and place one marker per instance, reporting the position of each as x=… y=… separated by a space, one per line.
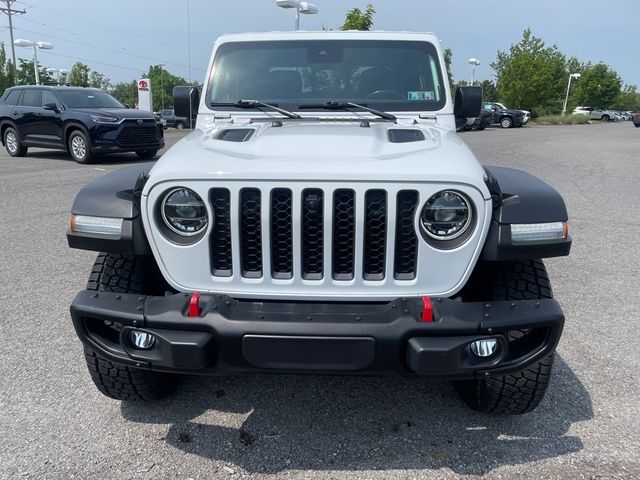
x=121 y=38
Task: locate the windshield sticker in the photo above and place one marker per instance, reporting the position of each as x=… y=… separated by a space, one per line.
x=421 y=96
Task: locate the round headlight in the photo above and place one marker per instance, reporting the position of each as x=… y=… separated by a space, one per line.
x=184 y=212
x=446 y=215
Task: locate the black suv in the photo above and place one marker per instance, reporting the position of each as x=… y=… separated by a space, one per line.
x=84 y=121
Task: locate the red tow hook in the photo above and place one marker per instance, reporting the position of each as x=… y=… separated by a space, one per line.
x=194 y=305
x=427 y=310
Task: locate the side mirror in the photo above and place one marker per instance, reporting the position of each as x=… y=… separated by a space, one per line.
x=185 y=102
x=51 y=106
x=468 y=102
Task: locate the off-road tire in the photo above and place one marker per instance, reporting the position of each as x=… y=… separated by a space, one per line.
x=518 y=392
x=79 y=147
x=146 y=154
x=12 y=143
x=126 y=274
x=506 y=122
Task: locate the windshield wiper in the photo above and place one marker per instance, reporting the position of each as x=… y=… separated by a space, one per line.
x=257 y=104
x=334 y=105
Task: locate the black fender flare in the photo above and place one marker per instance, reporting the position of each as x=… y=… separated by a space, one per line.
x=114 y=195
x=76 y=126
x=519 y=197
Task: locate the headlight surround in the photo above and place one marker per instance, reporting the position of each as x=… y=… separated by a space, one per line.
x=446 y=215
x=184 y=212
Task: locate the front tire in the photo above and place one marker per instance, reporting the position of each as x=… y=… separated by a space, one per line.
x=605 y=118
x=519 y=392
x=79 y=147
x=506 y=122
x=127 y=274
x=179 y=125
x=12 y=143
x=146 y=154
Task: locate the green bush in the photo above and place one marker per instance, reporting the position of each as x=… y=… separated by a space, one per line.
x=561 y=120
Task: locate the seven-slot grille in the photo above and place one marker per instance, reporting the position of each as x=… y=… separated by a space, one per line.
x=313 y=234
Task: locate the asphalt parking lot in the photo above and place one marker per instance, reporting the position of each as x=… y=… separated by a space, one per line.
x=55 y=424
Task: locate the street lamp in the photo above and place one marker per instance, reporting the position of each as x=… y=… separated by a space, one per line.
x=566 y=99
x=474 y=62
x=59 y=71
x=20 y=42
x=306 y=8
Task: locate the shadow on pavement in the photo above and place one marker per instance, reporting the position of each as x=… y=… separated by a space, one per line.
x=360 y=423
x=108 y=159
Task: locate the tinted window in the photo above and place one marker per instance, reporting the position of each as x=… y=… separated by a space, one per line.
x=49 y=97
x=88 y=99
x=32 y=98
x=12 y=97
x=385 y=74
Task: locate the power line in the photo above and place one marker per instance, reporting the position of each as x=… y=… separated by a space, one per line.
x=84 y=20
x=9 y=12
x=120 y=52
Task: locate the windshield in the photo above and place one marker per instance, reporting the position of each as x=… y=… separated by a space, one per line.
x=500 y=105
x=386 y=75
x=88 y=99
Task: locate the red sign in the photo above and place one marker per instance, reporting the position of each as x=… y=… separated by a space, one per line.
x=143 y=85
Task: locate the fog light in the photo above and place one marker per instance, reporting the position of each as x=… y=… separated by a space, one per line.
x=484 y=348
x=142 y=340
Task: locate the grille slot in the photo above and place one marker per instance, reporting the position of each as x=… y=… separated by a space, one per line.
x=406 y=241
x=221 y=257
x=281 y=234
x=343 y=234
x=312 y=234
x=138 y=135
x=375 y=234
x=250 y=233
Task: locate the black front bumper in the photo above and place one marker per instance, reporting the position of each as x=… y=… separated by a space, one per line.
x=232 y=335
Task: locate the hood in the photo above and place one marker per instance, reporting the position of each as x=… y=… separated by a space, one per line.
x=320 y=151
x=116 y=112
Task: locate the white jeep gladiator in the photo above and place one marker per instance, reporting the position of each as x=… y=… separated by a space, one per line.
x=324 y=217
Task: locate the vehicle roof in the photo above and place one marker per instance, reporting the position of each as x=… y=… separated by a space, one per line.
x=56 y=87
x=329 y=35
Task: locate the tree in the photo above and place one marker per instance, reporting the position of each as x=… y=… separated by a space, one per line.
x=489 y=91
x=162 y=83
x=448 y=57
x=628 y=99
x=27 y=76
x=356 y=19
x=79 y=75
x=98 y=80
x=126 y=92
x=531 y=75
x=599 y=86
x=6 y=70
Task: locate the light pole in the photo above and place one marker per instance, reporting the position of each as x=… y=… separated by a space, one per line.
x=474 y=62
x=306 y=8
x=566 y=99
x=20 y=42
x=162 y=65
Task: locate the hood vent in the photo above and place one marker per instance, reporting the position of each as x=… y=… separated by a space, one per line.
x=235 y=134
x=400 y=135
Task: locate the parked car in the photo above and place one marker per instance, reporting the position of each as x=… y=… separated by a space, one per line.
x=334 y=227
x=83 y=121
x=636 y=119
x=596 y=113
x=478 y=123
x=172 y=120
x=527 y=113
x=506 y=117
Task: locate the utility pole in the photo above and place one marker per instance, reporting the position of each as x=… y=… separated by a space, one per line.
x=8 y=11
